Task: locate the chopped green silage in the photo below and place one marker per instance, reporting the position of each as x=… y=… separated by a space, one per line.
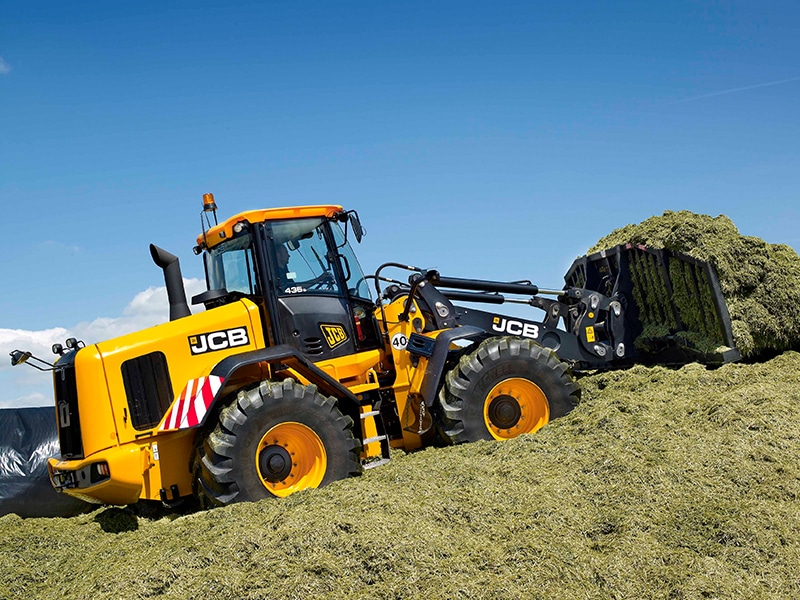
x=760 y=281
x=676 y=484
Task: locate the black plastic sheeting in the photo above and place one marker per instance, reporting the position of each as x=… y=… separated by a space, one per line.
x=28 y=437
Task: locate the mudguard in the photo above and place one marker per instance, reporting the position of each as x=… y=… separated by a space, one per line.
x=200 y=395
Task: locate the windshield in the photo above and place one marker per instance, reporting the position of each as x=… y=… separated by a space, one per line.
x=230 y=266
x=302 y=261
x=305 y=264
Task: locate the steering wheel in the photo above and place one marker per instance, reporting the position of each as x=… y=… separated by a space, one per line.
x=323 y=282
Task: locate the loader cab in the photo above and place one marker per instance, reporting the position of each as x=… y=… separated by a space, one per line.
x=303 y=274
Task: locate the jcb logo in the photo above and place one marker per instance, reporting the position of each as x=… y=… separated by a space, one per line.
x=335 y=335
x=218 y=340
x=512 y=327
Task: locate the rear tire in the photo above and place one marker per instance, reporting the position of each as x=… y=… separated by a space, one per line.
x=506 y=387
x=275 y=440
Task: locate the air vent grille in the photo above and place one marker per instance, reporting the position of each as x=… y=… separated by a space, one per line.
x=313 y=346
x=148 y=388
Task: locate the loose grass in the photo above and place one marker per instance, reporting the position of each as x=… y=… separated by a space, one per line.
x=760 y=281
x=661 y=484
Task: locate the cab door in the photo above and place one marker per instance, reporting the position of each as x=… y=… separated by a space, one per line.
x=311 y=308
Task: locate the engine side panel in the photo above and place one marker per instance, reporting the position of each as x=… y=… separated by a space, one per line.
x=142 y=390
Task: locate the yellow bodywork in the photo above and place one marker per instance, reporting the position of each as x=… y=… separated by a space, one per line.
x=143 y=461
x=409 y=375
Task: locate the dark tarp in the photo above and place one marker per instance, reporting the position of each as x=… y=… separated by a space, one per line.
x=28 y=437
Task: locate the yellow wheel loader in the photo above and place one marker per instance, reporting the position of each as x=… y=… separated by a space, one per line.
x=301 y=370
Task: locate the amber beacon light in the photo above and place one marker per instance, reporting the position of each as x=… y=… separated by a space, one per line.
x=209 y=206
x=208 y=203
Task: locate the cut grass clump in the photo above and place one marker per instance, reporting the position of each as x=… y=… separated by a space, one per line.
x=760 y=281
x=661 y=484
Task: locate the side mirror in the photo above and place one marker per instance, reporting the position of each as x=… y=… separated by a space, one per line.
x=18 y=357
x=355 y=223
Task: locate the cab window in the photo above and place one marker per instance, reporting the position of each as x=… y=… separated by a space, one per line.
x=230 y=266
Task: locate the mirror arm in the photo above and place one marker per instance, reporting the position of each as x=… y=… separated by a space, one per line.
x=19 y=357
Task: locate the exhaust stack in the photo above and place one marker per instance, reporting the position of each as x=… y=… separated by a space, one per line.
x=178 y=307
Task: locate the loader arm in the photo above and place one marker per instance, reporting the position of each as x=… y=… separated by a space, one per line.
x=624 y=305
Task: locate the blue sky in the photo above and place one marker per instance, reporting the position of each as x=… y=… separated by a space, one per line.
x=494 y=140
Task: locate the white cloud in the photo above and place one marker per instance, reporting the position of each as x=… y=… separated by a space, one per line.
x=22 y=386
x=34 y=399
x=149 y=307
x=58 y=247
x=5 y=68
x=35 y=341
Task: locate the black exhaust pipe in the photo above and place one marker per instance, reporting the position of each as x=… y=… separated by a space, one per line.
x=178 y=307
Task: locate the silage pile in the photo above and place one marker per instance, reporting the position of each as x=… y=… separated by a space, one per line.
x=661 y=484
x=760 y=281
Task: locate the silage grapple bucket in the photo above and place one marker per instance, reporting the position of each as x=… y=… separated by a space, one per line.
x=674 y=310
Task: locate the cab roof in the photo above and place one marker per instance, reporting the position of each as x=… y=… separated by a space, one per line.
x=224 y=230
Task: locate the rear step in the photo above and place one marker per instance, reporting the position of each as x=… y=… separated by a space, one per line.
x=381 y=437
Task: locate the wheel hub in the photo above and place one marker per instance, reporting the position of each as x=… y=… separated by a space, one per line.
x=274 y=463
x=515 y=406
x=504 y=412
x=290 y=457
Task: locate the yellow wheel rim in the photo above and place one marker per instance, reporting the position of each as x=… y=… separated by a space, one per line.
x=290 y=457
x=515 y=406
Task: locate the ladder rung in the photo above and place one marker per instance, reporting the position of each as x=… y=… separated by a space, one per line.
x=372 y=413
x=376 y=463
x=372 y=440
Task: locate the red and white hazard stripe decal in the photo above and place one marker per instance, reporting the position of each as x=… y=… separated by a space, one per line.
x=192 y=405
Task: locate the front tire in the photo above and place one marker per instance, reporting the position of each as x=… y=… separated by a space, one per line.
x=273 y=441
x=506 y=387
